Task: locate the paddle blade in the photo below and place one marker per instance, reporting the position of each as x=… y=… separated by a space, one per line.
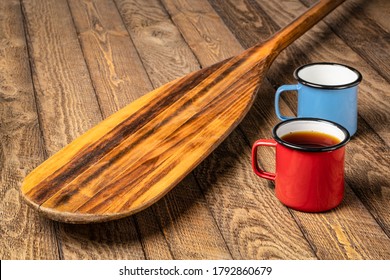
x=133 y=158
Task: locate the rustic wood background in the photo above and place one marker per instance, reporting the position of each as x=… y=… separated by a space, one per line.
x=66 y=65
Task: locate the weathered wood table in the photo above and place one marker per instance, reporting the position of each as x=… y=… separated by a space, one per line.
x=66 y=65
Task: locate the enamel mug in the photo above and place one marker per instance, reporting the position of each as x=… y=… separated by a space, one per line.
x=327 y=91
x=307 y=178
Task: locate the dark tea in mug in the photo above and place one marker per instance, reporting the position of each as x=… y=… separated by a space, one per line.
x=309 y=163
x=310 y=139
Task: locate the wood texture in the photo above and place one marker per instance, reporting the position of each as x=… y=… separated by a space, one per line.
x=52 y=37
x=106 y=43
x=165 y=55
x=24 y=235
x=134 y=157
x=221 y=210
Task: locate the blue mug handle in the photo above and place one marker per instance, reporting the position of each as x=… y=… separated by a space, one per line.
x=277 y=97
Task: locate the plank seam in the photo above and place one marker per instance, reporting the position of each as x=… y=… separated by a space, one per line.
x=181 y=33
x=132 y=42
x=39 y=118
x=86 y=64
x=212 y=215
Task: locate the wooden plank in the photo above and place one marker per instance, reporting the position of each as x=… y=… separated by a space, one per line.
x=68 y=107
x=362 y=34
x=378 y=11
x=154 y=243
x=340 y=226
x=24 y=235
x=208 y=32
x=65 y=96
x=188 y=225
x=104 y=241
x=243 y=212
x=165 y=55
x=116 y=70
x=251 y=16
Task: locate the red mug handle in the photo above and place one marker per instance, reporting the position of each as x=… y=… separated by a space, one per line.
x=259 y=172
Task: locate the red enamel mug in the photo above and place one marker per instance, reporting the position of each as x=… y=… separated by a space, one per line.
x=307 y=178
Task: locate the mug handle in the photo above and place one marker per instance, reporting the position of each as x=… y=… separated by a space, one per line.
x=277 y=97
x=259 y=172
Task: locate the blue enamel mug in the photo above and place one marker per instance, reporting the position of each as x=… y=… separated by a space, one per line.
x=327 y=91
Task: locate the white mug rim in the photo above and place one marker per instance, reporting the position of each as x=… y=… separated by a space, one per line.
x=344 y=85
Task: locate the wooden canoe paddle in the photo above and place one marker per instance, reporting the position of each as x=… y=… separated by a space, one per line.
x=133 y=158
